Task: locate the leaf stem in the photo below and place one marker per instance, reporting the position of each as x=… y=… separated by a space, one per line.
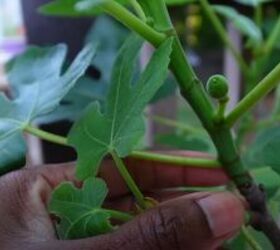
x=266 y=85
x=176 y=160
x=138 y=9
x=46 y=135
x=221 y=31
x=129 y=180
x=125 y=217
x=250 y=239
x=132 y=22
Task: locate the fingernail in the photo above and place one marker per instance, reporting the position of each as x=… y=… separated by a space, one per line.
x=224 y=213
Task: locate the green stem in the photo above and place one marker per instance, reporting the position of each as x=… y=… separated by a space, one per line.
x=191 y=87
x=118 y=215
x=193 y=91
x=176 y=160
x=157 y=11
x=266 y=85
x=229 y=156
x=138 y=9
x=46 y=135
x=221 y=31
x=129 y=180
x=222 y=105
x=132 y=22
x=250 y=239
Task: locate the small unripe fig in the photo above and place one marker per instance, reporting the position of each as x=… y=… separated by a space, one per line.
x=217 y=87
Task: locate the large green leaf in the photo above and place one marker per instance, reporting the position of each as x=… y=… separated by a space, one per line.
x=167 y=89
x=79 y=210
x=121 y=125
x=37 y=78
x=74 y=103
x=244 y=24
x=253 y=2
x=89 y=89
x=38 y=86
x=266 y=149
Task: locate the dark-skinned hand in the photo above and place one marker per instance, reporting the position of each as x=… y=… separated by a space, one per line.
x=195 y=221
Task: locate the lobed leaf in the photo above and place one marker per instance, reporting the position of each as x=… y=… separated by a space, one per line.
x=121 y=125
x=80 y=210
x=38 y=85
x=90 y=88
x=71 y=107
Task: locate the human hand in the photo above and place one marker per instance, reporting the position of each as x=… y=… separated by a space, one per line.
x=195 y=222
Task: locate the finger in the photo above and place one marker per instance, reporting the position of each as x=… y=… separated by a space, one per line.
x=201 y=221
x=156 y=175
x=147 y=174
x=127 y=203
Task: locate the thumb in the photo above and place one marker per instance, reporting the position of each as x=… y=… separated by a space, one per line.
x=200 y=221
